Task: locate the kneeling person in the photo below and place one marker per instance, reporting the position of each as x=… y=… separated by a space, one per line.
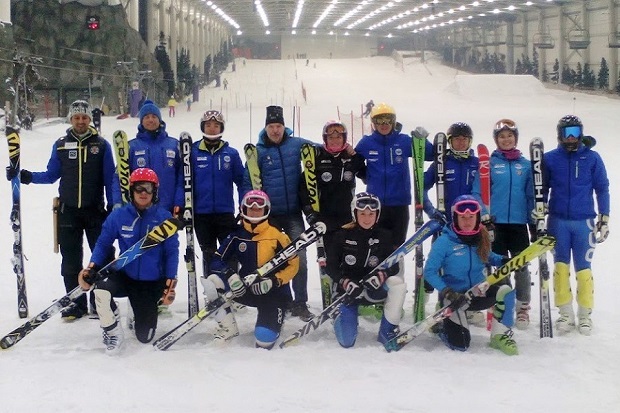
x=146 y=280
x=254 y=243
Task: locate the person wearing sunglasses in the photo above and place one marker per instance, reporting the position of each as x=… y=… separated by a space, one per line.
x=84 y=162
x=457 y=262
x=254 y=243
x=216 y=166
x=574 y=175
x=146 y=281
x=356 y=250
x=279 y=162
x=512 y=199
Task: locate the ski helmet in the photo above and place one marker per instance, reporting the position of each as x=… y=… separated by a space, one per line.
x=212 y=115
x=570 y=125
x=327 y=125
x=365 y=200
x=80 y=106
x=506 y=124
x=141 y=175
x=255 y=198
x=465 y=204
x=460 y=129
x=382 y=113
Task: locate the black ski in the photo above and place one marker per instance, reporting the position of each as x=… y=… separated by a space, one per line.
x=188 y=221
x=155 y=236
x=16 y=222
x=537 y=149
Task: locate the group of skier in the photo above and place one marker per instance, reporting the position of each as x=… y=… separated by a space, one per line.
x=363 y=229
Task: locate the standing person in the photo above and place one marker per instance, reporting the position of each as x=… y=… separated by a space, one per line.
x=254 y=243
x=512 y=199
x=356 y=250
x=83 y=161
x=455 y=264
x=153 y=148
x=146 y=280
x=189 y=103
x=279 y=162
x=225 y=82
x=216 y=166
x=172 y=103
x=572 y=173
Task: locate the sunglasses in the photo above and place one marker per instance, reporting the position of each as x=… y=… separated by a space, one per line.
x=368 y=203
x=574 y=131
x=255 y=202
x=147 y=187
x=467 y=207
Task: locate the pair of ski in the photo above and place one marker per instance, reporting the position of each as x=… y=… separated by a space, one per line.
x=153 y=238
x=121 y=146
x=535 y=250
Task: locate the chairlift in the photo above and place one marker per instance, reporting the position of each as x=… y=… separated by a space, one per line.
x=543 y=41
x=578 y=39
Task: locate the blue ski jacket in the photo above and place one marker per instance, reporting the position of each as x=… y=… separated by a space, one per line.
x=280 y=171
x=214 y=172
x=459 y=180
x=128 y=226
x=161 y=153
x=571 y=177
x=460 y=264
x=512 y=189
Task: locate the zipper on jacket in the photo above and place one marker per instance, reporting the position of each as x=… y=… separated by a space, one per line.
x=81 y=161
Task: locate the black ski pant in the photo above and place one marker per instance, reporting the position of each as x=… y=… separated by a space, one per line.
x=212 y=229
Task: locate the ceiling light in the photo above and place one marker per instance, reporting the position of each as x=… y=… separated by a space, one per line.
x=300 y=6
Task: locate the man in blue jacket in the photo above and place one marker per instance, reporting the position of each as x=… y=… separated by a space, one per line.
x=146 y=280
x=279 y=162
x=572 y=173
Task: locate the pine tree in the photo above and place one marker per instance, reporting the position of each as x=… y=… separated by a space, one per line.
x=556 y=71
x=578 y=77
x=603 y=75
x=567 y=76
x=589 y=80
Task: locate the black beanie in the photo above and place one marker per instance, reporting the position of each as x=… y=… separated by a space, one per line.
x=274 y=115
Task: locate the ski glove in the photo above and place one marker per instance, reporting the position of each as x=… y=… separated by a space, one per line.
x=11 y=173
x=376 y=280
x=237 y=287
x=602 y=228
x=169 y=294
x=438 y=216
x=456 y=300
x=536 y=215
x=487 y=221
x=25 y=176
x=264 y=285
x=86 y=277
x=351 y=288
x=420 y=132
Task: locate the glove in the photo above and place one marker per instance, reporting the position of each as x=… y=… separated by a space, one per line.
x=25 y=177
x=480 y=290
x=376 y=280
x=11 y=173
x=177 y=212
x=169 y=294
x=312 y=218
x=86 y=278
x=535 y=215
x=602 y=228
x=438 y=216
x=420 y=132
x=264 y=285
x=351 y=288
x=456 y=299
x=237 y=287
x=487 y=221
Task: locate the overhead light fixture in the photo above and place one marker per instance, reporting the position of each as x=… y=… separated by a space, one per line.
x=261 y=13
x=300 y=6
x=327 y=10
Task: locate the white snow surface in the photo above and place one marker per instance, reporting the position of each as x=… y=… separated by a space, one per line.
x=61 y=367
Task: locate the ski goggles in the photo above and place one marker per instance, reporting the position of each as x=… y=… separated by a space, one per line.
x=466 y=207
x=383 y=120
x=335 y=131
x=505 y=124
x=255 y=201
x=574 y=131
x=143 y=187
x=368 y=203
x=213 y=115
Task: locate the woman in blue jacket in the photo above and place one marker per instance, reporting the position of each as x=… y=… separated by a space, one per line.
x=457 y=262
x=512 y=199
x=146 y=280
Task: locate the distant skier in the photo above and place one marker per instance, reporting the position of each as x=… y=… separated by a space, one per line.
x=369 y=107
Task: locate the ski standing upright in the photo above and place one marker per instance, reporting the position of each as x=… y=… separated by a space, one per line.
x=418 y=148
x=484 y=172
x=121 y=149
x=537 y=149
x=188 y=221
x=251 y=158
x=16 y=222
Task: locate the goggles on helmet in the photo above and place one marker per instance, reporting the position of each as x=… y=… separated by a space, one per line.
x=383 y=120
x=467 y=207
x=505 y=124
x=255 y=202
x=574 y=131
x=143 y=187
x=335 y=131
x=371 y=203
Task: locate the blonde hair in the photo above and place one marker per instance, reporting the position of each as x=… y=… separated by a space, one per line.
x=484 y=244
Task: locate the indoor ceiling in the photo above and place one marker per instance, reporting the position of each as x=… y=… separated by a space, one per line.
x=372 y=17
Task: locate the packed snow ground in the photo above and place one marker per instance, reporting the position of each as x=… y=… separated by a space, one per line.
x=61 y=367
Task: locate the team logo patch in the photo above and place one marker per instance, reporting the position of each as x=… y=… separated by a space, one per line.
x=141 y=152
x=350 y=259
x=348 y=176
x=170 y=162
x=373 y=261
x=398 y=159
x=243 y=247
x=372 y=241
x=373 y=153
x=226 y=158
x=70 y=145
x=94 y=150
x=398 y=151
x=226 y=166
x=72 y=154
x=170 y=153
x=326 y=176
x=141 y=162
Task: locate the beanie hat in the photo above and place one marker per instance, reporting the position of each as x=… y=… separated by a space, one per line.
x=80 y=106
x=149 y=108
x=274 y=115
